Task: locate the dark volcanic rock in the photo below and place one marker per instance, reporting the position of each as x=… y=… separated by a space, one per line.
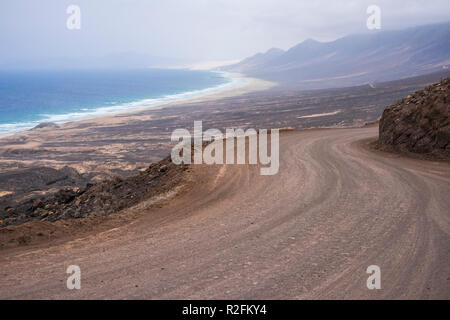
x=419 y=123
x=98 y=199
x=39 y=178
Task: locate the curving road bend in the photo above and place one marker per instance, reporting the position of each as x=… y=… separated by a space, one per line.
x=309 y=232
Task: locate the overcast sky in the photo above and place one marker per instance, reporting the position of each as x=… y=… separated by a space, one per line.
x=193 y=29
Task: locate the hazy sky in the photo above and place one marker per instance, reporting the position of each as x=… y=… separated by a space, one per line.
x=192 y=29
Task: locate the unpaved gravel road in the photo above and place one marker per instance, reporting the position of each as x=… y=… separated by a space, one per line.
x=334 y=208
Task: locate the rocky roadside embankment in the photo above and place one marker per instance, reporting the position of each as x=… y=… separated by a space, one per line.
x=420 y=123
x=99 y=199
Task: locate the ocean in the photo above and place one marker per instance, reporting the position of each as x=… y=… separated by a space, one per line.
x=28 y=98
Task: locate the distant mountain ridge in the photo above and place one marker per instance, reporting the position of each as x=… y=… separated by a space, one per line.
x=354 y=59
x=258 y=59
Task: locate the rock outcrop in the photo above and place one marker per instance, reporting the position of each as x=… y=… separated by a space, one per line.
x=99 y=199
x=420 y=123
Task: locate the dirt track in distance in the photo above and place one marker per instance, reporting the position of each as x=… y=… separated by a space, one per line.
x=309 y=232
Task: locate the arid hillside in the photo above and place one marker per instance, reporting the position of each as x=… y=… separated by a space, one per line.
x=419 y=123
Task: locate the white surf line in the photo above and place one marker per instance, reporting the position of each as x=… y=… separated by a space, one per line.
x=5 y=193
x=320 y=114
x=233 y=81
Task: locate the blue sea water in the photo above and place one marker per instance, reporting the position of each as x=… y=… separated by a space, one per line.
x=28 y=98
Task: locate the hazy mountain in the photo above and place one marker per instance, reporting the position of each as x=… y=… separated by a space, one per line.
x=355 y=59
x=258 y=59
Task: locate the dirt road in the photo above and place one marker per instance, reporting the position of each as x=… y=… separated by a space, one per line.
x=334 y=208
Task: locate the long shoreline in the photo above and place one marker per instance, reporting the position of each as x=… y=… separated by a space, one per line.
x=245 y=85
x=238 y=85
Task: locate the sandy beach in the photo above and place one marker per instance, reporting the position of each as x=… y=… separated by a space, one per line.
x=238 y=85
